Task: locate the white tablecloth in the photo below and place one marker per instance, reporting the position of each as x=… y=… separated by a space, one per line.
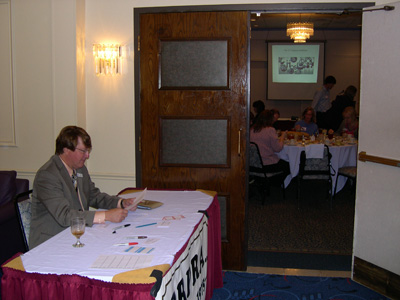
x=57 y=256
x=341 y=156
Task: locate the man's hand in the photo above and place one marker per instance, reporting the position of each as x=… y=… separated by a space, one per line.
x=128 y=202
x=116 y=215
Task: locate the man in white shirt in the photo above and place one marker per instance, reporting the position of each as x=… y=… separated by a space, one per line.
x=321 y=100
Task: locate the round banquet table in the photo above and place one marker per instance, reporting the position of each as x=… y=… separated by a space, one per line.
x=342 y=156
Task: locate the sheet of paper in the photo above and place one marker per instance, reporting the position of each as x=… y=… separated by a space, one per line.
x=138 y=199
x=122 y=262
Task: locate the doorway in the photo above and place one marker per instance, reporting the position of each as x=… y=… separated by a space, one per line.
x=280 y=241
x=140 y=11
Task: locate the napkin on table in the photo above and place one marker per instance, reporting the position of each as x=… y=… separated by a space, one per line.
x=315 y=151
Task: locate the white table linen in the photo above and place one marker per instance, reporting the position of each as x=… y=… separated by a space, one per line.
x=342 y=156
x=57 y=256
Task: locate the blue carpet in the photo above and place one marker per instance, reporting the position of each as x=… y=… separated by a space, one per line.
x=249 y=286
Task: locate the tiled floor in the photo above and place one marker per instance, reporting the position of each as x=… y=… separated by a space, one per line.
x=299 y=272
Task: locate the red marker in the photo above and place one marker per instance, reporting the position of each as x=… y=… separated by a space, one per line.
x=125 y=244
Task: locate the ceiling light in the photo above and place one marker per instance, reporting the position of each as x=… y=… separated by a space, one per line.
x=300 y=31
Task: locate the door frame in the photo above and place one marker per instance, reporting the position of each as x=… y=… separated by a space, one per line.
x=277 y=8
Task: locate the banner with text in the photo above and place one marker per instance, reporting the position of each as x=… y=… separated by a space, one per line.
x=187 y=278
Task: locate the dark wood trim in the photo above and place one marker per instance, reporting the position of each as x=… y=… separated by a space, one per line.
x=376 y=278
x=363 y=156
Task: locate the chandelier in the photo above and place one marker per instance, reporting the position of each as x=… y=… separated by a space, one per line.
x=300 y=31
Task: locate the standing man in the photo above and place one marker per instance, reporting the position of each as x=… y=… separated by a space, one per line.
x=62 y=189
x=321 y=100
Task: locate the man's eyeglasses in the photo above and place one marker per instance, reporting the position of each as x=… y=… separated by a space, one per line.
x=84 y=151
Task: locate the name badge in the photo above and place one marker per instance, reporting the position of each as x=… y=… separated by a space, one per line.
x=79 y=175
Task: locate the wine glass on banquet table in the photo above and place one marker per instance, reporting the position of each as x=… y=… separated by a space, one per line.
x=78 y=229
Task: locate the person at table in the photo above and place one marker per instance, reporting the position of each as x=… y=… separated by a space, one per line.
x=264 y=135
x=258 y=107
x=334 y=115
x=307 y=122
x=277 y=115
x=322 y=101
x=62 y=189
x=349 y=124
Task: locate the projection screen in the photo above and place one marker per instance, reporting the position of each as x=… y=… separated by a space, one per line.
x=295 y=71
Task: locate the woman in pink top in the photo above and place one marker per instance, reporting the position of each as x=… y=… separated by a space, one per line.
x=264 y=135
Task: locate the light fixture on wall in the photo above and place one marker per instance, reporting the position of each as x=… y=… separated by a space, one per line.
x=107 y=59
x=300 y=31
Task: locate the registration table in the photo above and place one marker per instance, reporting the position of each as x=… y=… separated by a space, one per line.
x=344 y=155
x=182 y=241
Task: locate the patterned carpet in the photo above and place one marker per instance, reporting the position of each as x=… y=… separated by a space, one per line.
x=279 y=226
x=250 y=286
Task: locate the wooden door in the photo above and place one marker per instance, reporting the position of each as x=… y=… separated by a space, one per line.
x=376 y=236
x=194 y=98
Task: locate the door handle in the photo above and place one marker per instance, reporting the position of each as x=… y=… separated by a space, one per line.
x=239 y=141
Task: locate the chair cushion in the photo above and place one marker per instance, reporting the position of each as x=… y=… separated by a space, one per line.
x=348 y=171
x=7 y=186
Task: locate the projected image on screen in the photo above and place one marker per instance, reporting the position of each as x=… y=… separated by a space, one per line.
x=295 y=72
x=295 y=63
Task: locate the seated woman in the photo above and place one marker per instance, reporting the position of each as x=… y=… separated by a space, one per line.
x=307 y=122
x=264 y=135
x=349 y=124
x=334 y=115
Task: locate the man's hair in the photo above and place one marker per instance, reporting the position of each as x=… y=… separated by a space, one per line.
x=330 y=79
x=68 y=138
x=351 y=91
x=259 y=106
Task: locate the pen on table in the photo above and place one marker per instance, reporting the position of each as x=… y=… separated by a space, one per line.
x=119 y=227
x=125 y=244
x=146 y=225
x=136 y=237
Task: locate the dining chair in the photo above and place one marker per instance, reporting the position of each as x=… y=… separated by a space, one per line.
x=259 y=178
x=315 y=169
x=349 y=172
x=22 y=204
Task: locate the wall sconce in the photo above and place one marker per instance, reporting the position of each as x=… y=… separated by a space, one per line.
x=107 y=59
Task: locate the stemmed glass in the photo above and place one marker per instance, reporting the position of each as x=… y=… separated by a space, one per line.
x=78 y=229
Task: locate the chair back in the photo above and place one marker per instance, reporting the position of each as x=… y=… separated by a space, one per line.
x=255 y=161
x=22 y=204
x=316 y=168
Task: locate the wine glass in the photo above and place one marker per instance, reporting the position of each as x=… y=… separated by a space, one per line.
x=78 y=229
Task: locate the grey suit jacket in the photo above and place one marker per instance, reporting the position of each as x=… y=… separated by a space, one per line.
x=55 y=201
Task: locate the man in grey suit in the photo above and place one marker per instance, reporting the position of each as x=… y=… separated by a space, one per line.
x=62 y=189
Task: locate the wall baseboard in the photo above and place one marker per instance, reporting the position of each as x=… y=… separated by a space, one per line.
x=376 y=278
x=112 y=176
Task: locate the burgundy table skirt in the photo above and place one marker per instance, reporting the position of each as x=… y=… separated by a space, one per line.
x=16 y=284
